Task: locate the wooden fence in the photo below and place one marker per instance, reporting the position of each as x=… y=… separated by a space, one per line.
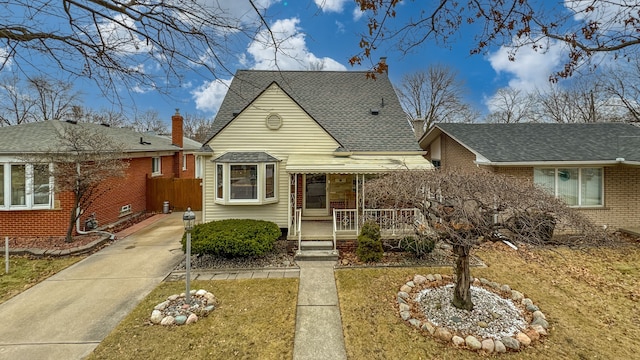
x=181 y=193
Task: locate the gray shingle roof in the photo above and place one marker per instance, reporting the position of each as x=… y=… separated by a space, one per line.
x=245 y=157
x=529 y=142
x=42 y=136
x=340 y=101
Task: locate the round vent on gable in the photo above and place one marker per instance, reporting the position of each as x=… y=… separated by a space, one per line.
x=274 y=121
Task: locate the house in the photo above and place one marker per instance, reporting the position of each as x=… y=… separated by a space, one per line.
x=29 y=203
x=297 y=147
x=594 y=167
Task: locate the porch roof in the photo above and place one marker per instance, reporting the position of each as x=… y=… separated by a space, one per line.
x=355 y=164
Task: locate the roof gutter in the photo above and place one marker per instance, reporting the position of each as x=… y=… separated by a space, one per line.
x=550 y=163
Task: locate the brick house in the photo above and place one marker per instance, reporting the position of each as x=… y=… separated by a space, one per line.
x=593 y=167
x=29 y=204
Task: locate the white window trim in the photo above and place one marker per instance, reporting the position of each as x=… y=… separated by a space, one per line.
x=29 y=189
x=261 y=198
x=153 y=163
x=580 y=169
x=184 y=162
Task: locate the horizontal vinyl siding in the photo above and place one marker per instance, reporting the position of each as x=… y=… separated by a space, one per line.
x=299 y=134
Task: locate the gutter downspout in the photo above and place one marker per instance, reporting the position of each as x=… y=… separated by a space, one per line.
x=111 y=235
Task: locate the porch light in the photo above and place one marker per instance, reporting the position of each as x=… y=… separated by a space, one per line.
x=189 y=218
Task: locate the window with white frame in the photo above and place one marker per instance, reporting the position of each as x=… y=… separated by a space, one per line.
x=575 y=186
x=25 y=186
x=184 y=162
x=156 y=164
x=246 y=183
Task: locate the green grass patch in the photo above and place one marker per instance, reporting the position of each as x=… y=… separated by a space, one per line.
x=25 y=272
x=591 y=299
x=255 y=320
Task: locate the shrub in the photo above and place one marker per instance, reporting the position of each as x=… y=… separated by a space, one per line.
x=420 y=246
x=369 y=244
x=233 y=238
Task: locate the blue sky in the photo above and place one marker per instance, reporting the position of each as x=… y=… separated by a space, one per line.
x=327 y=31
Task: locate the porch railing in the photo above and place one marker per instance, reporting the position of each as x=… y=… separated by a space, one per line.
x=392 y=222
x=297 y=220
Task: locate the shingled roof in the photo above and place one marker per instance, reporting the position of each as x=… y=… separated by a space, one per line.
x=42 y=136
x=340 y=101
x=538 y=142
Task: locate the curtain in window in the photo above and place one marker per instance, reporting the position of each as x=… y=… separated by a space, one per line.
x=568 y=186
x=591 y=186
x=220 y=181
x=270 y=189
x=545 y=178
x=41 y=184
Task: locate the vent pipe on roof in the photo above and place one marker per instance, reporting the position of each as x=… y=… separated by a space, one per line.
x=374 y=111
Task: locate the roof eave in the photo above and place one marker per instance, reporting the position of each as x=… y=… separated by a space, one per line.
x=550 y=163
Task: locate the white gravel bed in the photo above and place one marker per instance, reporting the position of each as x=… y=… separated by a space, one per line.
x=492 y=316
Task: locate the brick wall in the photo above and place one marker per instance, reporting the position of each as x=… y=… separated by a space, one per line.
x=454 y=156
x=113 y=194
x=621 y=195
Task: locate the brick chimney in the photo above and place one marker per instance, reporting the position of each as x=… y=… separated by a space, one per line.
x=176 y=129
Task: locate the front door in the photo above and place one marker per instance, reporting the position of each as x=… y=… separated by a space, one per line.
x=315 y=195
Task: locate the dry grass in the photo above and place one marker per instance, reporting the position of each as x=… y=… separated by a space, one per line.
x=255 y=320
x=25 y=272
x=591 y=299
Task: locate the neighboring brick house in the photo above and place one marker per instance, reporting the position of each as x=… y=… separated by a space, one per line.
x=593 y=167
x=29 y=206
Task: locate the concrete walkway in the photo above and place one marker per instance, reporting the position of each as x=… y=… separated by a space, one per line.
x=69 y=314
x=318 y=324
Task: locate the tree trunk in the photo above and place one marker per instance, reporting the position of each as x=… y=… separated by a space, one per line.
x=72 y=221
x=462 y=290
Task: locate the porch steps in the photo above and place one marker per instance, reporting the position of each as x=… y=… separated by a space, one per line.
x=316 y=251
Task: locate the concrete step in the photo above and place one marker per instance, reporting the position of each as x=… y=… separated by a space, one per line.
x=316 y=245
x=316 y=255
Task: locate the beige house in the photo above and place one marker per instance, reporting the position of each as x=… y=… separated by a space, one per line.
x=297 y=147
x=593 y=167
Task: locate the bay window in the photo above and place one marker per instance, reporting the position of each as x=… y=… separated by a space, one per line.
x=245 y=179
x=575 y=186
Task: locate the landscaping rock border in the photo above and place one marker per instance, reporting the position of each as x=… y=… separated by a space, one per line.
x=536 y=328
x=176 y=311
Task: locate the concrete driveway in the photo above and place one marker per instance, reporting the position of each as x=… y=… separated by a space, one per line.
x=69 y=314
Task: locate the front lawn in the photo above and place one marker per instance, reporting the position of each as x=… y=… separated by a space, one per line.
x=590 y=297
x=25 y=272
x=255 y=320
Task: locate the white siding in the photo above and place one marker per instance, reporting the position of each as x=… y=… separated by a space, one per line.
x=299 y=134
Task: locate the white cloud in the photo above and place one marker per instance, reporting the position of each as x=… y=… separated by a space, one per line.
x=339 y=27
x=120 y=36
x=330 y=5
x=357 y=13
x=292 y=52
x=209 y=95
x=5 y=60
x=530 y=69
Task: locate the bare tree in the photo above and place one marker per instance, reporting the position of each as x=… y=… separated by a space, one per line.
x=465 y=209
x=622 y=84
x=37 y=99
x=434 y=95
x=149 y=121
x=84 y=160
x=511 y=105
x=15 y=105
x=585 y=28
x=196 y=127
x=127 y=44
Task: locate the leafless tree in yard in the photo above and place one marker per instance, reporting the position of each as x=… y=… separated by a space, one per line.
x=38 y=98
x=435 y=95
x=85 y=160
x=196 y=127
x=134 y=45
x=511 y=105
x=465 y=209
x=623 y=85
x=149 y=120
